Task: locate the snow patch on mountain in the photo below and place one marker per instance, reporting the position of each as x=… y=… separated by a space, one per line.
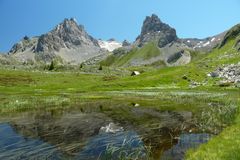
x=109 y=45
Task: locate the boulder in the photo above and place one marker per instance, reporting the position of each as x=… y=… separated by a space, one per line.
x=111 y=128
x=135 y=73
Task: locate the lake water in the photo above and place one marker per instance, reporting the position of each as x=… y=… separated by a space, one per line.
x=96 y=131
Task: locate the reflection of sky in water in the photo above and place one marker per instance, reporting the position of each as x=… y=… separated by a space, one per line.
x=102 y=146
x=185 y=142
x=14 y=146
x=113 y=145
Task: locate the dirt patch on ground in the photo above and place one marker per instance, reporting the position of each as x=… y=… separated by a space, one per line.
x=8 y=80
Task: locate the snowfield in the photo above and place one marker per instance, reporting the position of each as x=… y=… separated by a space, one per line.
x=109 y=45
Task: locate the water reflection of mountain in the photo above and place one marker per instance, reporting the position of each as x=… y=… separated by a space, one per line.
x=71 y=130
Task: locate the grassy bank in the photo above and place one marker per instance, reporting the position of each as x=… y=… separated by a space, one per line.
x=222 y=147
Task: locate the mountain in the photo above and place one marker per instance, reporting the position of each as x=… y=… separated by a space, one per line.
x=68 y=42
x=154 y=29
x=109 y=45
x=159 y=45
x=156 y=45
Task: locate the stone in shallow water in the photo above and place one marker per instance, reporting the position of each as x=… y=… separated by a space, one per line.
x=111 y=128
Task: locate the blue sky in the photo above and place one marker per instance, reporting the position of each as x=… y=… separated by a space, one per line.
x=119 y=19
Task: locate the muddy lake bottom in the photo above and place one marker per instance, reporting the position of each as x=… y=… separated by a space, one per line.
x=100 y=130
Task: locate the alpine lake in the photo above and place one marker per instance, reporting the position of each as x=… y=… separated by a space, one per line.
x=149 y=124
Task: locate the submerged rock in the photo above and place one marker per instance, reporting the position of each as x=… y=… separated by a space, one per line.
x=111 y=128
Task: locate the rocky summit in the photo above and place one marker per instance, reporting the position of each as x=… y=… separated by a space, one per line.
x=66 y=35
x=154 y=29
x=68 y=41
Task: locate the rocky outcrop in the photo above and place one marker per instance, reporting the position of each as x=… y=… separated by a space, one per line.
x=5 y=59
x=125 y=43
x=179 y=58
x=25 y=44
x=230 y=73
x=154 y=29
x=237 y=45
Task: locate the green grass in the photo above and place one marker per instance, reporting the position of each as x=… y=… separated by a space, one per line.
x=48 y=83
x=145 y=53
x=222 y=147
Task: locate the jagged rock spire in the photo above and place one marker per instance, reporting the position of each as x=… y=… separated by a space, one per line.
x=154 y=29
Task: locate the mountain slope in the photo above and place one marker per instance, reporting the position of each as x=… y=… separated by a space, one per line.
x=233 y=33
x=135 y=57
x=194 y=74
x=67 y=41
x=204 y=45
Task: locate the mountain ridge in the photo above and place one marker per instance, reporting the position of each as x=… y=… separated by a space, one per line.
x=69 y=43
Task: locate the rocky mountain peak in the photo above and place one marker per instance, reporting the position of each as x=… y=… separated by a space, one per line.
x=68 y=26
x=151 y=24
x=67 y=34
x=126 y=43
x=67 y=42
x=154 y=29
